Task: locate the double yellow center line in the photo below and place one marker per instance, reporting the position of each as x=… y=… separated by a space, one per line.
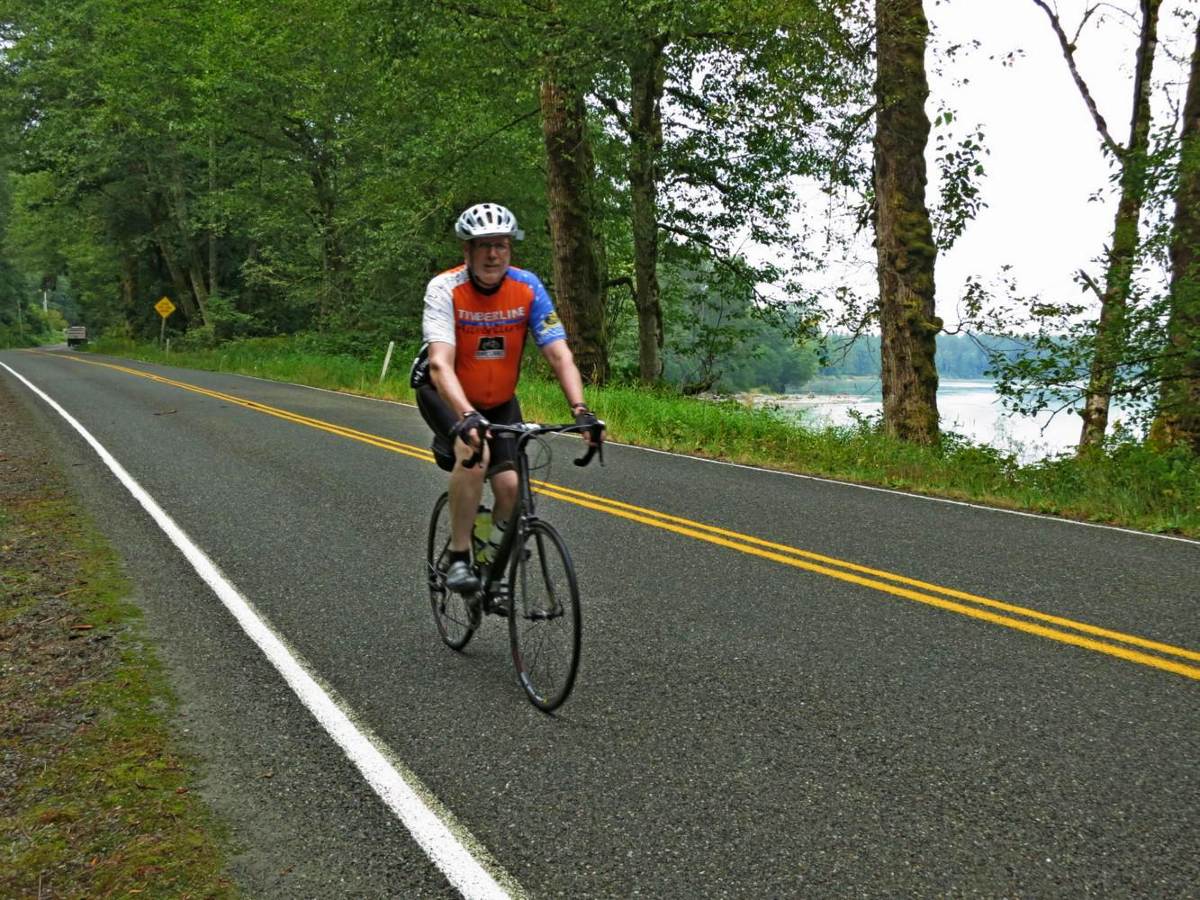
x=1029 y=621
x=1131 y=648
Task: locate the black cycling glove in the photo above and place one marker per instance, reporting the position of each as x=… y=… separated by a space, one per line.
x=584 y=416
x=472 y=421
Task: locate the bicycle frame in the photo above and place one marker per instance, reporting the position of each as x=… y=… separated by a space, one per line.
x=541 y=601
x=523 y=511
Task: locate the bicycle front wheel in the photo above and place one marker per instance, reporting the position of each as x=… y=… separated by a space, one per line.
x=450 y=611
x=543 y=623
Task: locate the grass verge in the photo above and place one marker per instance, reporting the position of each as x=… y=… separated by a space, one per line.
x=95 y=796
x=1126 y=484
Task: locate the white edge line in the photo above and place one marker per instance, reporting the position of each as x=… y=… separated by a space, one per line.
x=820 y=478
x=402 y=793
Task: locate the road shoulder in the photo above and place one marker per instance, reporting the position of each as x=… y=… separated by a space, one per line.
x=301 y=819
x=96 y=789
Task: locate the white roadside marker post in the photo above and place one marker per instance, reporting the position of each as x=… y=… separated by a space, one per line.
x=387 y=360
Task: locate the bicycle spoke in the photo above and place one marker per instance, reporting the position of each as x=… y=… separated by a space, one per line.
x=544 y=629
x=540 y=599
x=450 y=611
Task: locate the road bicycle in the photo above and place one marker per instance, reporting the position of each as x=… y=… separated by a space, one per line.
x=530 y=580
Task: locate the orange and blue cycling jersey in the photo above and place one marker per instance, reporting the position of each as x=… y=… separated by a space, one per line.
x=488 y=330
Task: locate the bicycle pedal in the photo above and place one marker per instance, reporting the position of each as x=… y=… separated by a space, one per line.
x=475 y=610
x=498 y=607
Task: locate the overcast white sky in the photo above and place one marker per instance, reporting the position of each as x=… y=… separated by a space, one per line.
x=1045 y=159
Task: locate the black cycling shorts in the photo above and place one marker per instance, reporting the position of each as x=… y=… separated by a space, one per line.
x=502 y=449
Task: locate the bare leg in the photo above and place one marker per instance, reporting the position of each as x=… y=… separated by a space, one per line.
x=466 y=489
x=504 y=493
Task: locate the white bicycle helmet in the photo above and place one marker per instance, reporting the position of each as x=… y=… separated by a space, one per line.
x=487 y=220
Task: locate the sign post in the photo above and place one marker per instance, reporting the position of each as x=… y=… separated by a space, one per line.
x=164 y=308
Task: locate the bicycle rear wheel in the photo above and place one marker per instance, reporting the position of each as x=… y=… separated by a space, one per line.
x=454 y=621
x=543 y=622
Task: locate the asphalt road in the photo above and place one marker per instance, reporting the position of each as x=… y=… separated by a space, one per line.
x=950 y=700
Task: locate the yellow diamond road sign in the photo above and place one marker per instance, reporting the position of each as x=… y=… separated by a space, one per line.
x=165 y=307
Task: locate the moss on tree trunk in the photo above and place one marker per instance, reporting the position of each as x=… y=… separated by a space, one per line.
x=579 y=281
x=1112 y=328
x=1178 y=420
x=904 y=236
x=646 y=138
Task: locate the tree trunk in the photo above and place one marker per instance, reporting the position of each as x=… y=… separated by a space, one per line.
x=1178 y=420
x=192 y=256
x=1112 y=327
x=166 y=205
x=579 y=279
x=334 y=291
x=183 y=293
x=212 y=232
x=196 y=278
x=646 y=139
x=129 y=283
x=129 y=270
x=903 y=235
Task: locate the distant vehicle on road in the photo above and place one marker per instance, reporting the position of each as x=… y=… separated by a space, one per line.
x=76 y=335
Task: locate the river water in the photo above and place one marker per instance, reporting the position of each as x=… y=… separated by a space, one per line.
x=970 y=408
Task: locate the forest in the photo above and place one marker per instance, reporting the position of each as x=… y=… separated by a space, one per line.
x=294 y=169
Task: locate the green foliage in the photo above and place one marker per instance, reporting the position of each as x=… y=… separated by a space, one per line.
x=295 y=167
x=1120 y=355
x=1045 y=362
x=755 y=98
x=718 y=337
x=224 y=323
x=29 y=326
x=959 y=164
x=288 y=168
x=301 y=166
x=337 y=361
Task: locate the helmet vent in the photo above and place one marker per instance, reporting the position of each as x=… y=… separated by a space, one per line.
x=487 y=220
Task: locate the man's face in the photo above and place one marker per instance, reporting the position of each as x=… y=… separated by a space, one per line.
x=488 y=259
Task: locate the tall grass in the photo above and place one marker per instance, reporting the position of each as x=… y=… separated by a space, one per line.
x=279 y=359
x=1126 y=484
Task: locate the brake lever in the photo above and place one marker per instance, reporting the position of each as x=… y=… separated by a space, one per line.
x=473 y=461
x=593 y=449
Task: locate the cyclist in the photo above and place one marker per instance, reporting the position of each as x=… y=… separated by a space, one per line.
x=476 y=319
